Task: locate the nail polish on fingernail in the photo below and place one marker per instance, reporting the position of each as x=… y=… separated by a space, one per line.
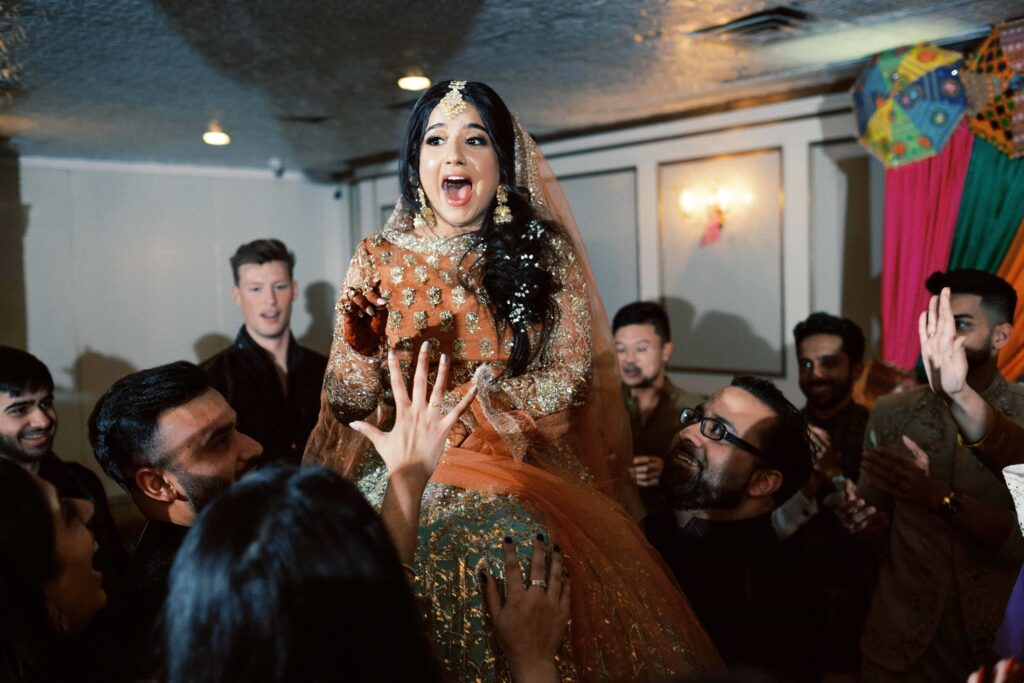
x=482 y=577
x=540 y=537
x=424 y=346
x=508 y=539
x=444 y=358
x=556 y=549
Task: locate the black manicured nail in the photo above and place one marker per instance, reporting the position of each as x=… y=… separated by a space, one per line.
x=540 y=537
x=508 y=539
x=483 y=577
x=556 y=549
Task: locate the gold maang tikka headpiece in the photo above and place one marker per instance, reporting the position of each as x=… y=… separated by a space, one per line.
x=452 y=102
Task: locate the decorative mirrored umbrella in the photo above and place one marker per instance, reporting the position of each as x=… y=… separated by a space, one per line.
x=908 y=102
x=994 y=80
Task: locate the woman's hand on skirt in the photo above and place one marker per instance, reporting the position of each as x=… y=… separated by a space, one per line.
x=531 y=621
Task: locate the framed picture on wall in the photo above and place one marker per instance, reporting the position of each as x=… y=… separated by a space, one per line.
x=720 y=232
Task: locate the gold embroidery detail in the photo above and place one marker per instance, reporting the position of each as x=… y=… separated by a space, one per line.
x=446 y=277
x=447 y=321
x=472 y=322
x=459 y=296
x=459 y=349
x=434 y=296
x=486 y=348
x=408 y=296
x=386 y=295
x=404 y=345
x=397 y=275
x=376 y=239
x=385 y=257
x=409 y=259
x=421 y=274
x=434 y=261
x=435 y=349
x=419 y=320
x=395 y=320
x=430 y=244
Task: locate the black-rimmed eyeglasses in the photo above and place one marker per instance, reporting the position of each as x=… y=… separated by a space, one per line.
x=715 y=430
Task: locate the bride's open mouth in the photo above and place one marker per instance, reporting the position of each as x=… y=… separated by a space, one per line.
x=458 y=190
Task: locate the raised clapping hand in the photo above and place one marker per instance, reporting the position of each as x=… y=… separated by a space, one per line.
x=530 y=622
x=903 y=479
x=854 y=513
x=942 y=351
x=415 y=444
x=646 y=470
x=364 y=316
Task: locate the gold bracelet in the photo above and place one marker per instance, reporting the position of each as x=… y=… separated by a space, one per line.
x=982 y=440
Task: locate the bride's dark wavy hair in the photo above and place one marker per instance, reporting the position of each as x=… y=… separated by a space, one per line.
x=516 y=266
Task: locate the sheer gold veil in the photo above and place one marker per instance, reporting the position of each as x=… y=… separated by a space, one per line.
x=600 y=432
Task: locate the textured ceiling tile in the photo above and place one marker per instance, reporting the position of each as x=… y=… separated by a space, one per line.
x=313 y=83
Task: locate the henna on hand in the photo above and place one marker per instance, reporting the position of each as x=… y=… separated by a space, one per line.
x=364 y=318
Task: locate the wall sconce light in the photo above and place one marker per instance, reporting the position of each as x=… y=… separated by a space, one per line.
x=215 y=136
x=715 y=201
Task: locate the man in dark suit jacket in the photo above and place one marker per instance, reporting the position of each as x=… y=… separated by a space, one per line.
x=271 y=382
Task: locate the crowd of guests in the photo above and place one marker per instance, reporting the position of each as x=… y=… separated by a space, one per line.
x=824 y=543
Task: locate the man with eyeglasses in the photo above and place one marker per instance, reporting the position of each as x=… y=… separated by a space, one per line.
x=737 y=456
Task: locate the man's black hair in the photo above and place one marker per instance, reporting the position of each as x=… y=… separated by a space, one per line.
x=998 y=297
x=262 y=251
x=786 y=443
x=844 y=328
x=123 y=427
x=20 y=371
x=644 y=313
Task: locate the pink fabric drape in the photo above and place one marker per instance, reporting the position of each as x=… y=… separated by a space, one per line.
x=921 y=204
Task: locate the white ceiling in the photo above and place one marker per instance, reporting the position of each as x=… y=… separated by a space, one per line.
x=313 y=82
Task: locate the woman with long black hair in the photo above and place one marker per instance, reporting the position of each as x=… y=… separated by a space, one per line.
x=49 y=591
x=481 y=261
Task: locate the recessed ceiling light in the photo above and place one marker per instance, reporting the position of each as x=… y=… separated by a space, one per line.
x=414 y=82
x=215 y=136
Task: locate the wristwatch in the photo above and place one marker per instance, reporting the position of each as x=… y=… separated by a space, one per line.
x=950 y=504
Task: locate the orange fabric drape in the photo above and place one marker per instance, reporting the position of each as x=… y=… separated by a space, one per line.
x=1011 y=358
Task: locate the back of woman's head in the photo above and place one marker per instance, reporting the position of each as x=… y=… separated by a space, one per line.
x=290 y=576
x=27 y=561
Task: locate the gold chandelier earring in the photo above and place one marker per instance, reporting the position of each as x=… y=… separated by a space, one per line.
x=424 y=218
x=502 y=214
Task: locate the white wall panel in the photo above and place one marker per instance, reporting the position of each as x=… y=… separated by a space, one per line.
x=126 y=267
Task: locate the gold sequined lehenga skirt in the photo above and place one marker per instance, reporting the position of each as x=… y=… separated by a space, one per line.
x=630 y=622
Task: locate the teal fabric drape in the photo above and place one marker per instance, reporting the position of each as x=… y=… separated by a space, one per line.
x=991 y=209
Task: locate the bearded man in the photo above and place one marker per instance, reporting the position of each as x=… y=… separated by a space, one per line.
x=943 y=524
x=738 y=455
x=172 y=442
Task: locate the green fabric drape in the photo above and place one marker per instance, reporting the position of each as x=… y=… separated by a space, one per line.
x=991 y=209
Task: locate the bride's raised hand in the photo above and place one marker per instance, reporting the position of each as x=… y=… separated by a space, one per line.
x=364 y=316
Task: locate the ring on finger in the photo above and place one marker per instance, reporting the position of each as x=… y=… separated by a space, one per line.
x=434 y=404
x=539 y=582
x=347 y=307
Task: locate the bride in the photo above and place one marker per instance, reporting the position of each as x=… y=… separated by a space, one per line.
x=481 y=259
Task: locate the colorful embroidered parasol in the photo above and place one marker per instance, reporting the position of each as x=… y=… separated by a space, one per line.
x=994 y=81
x=908 y=102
